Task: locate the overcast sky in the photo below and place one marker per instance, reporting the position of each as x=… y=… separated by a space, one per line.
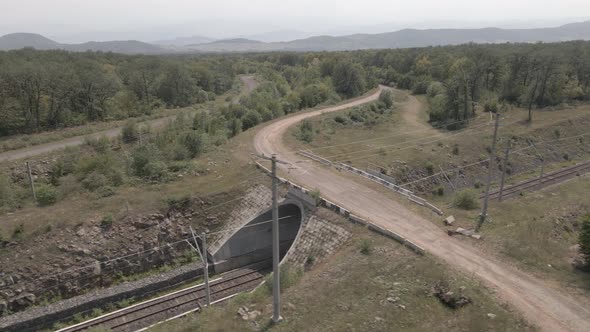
x=103 y=19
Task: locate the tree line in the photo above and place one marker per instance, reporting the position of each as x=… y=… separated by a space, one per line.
x=41 y=90
x=459 y=78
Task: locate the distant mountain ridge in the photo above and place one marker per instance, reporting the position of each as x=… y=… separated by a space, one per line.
x=399 y=39
x=39 y=42
x=410 y=38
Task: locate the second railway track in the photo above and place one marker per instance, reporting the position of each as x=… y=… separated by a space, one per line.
x=150 y=312
x=547 y=179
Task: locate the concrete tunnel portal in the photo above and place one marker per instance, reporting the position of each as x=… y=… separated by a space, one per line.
x=253 y=242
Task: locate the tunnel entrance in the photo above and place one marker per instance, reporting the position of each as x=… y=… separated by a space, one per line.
x=253 y=242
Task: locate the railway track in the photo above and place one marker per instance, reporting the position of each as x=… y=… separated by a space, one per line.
x=538 y=183
x=145 y=314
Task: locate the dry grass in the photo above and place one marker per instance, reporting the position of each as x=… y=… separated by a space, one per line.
x=349 y=293
x=528 y=231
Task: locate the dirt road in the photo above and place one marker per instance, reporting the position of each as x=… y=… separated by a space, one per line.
x=72 y=141
x=540 y=303
x=249 y=84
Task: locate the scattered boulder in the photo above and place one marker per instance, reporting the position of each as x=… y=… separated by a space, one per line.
x=449 y=220
x=491 y=316
x=247 y=314
x=392 y=299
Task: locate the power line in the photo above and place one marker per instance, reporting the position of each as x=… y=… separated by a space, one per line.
x=410 y=146
x=390 y=136
x=486 y=160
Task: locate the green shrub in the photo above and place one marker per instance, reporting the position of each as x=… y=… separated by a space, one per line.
x=429 y=167
x=105 y=191
x=18 y=232
x=466 y=199
x=194 y=143
x=305 y=133
x=456 y=149
x=439 y=191
x=366 y=247
x=94 y=181
x=178 y=203
x=97 y=168
x=46 y=194
x=129 y=133
x=386 y=97
x=107 y=221
x=100 y=145
x=316 y=195
x=340 y=119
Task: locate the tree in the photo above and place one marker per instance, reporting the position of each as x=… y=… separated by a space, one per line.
x=348 y=79
x=386 y=97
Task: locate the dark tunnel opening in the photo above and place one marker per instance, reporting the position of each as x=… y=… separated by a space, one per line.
x=253 y=243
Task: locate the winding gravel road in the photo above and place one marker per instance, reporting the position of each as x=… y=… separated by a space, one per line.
x=540 y=303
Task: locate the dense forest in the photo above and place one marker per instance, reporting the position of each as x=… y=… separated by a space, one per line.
x=43 y=90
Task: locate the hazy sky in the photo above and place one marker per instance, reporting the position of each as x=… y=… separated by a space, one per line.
x=223 y=18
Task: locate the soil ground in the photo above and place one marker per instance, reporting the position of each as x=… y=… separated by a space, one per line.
x=541 y=302
x=350 y=291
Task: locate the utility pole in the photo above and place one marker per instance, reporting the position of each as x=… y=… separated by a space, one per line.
x=206 y=268
x=203 y=256
x=276 y=281
x=31 y=181
x=542 y=171
x=484 y=212
x=506 y=153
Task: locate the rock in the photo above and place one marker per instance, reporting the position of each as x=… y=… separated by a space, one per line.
x=401 y=306
x=491 y=316
x=449 y=220
x=243 y=312
x=145 y=223
x=252 y=315
x=379 y=319
x=392 y=299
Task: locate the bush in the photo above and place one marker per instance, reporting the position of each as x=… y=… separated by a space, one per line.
x=107 y=221
x=18 y=232
x=194 y=143
x=340 y=119
x=100 y=170
x=439 y=191
x=94 y=181
x=386 y=97
x=466 y=200
x=105 y=191
x=178 y=203
x=456 y=149
x=129 y=133
x=305 y=131
x=46 y=194
x=100 y=145
x=316 y=195
x=366 y=247
x=429 y=168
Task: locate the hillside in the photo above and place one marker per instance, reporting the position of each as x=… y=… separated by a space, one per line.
x=409 y=38
x=22 y=40
x=399 y=39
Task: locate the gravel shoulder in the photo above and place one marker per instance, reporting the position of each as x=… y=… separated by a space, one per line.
x=542 y=304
